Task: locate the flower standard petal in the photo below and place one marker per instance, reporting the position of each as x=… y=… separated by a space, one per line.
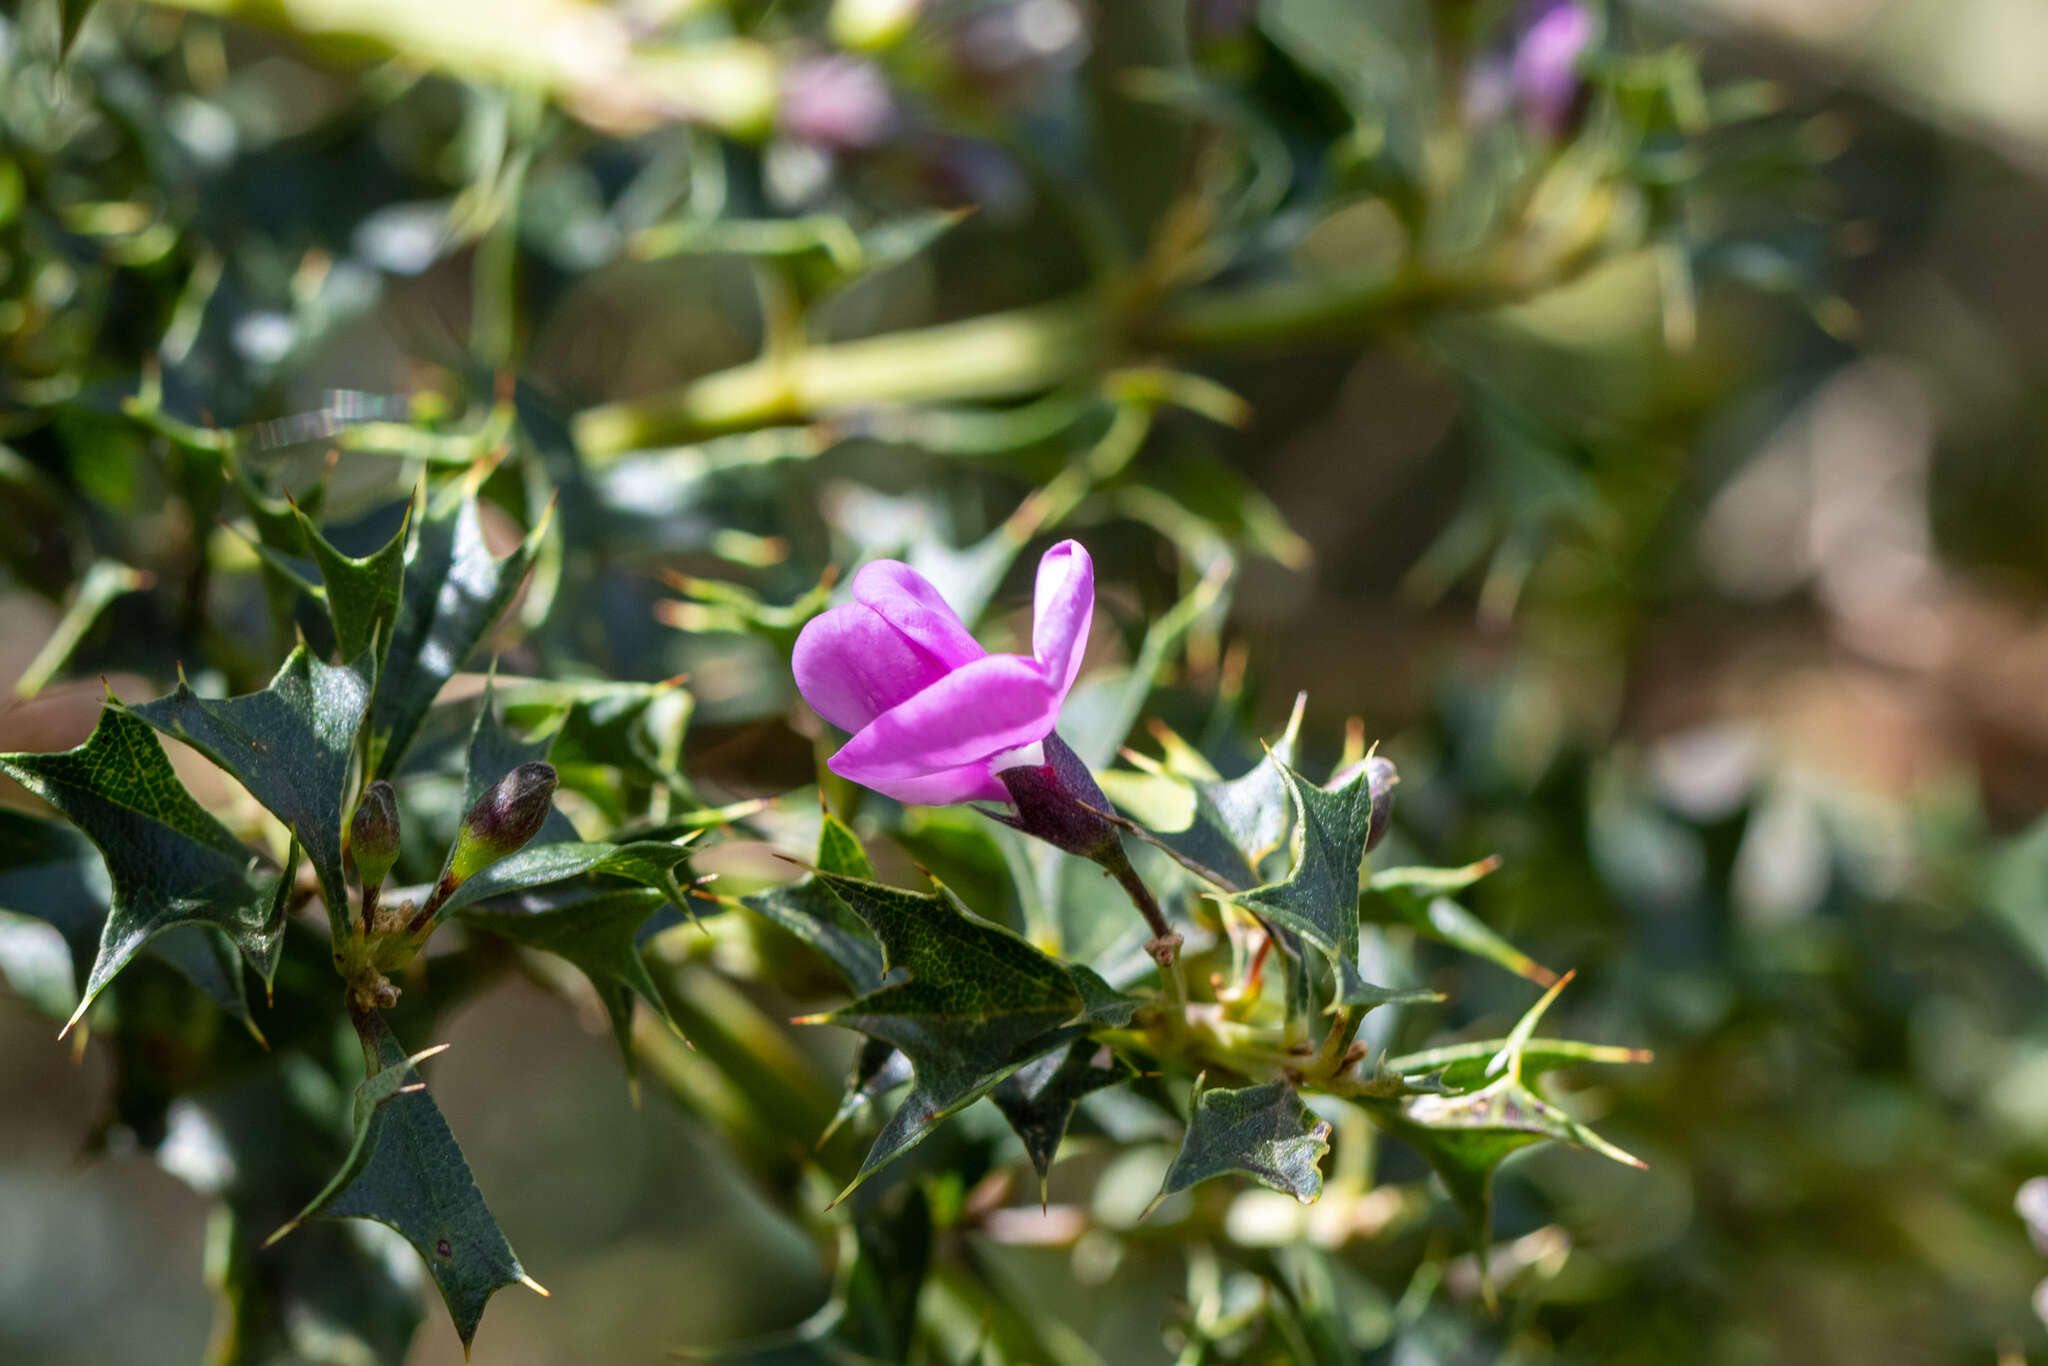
x=994 y=704
x=851 y=665
x=907 y=601
x=1062 y=608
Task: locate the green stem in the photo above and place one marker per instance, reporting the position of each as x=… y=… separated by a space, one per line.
x=1000 y=355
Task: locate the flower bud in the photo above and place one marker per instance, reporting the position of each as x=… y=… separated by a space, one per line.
x=1058 y=801
x=373 y=834
x=1380 y=779
x=502 y=821
x=1548 y=89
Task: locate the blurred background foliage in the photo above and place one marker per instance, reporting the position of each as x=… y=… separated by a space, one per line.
x=1653 y=458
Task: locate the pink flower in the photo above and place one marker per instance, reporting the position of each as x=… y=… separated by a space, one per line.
x=934 y=716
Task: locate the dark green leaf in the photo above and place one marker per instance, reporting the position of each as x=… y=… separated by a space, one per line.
x=1264 y=1132
x=404 y=1170
x=292 y=745
x=878 y=1068
x=597 y=932
x=1318 y=899
x=651 y=863
x=51 y=873
x=170 y=863
x=1238 y=822
x=362 y=594
x=1466 y=1135
x=453 y=590
x=809 y=910
x=1039 y=1098
x=1463 y=1066
x=326 y=1294
x=1354 y=990
x=968 y=1003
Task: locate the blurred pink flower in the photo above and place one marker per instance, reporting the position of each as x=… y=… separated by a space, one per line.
x=934 y=716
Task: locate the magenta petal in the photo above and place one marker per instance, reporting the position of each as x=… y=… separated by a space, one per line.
x=907 y=601
x=852 y=666
x=996 y=703
x=1062 y=608
x=967 y=783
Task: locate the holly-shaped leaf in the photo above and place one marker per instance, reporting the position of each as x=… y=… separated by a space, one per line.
x=52 y=874
x=1354 y=990
x=1265 y=1132
x=1318 y=899
x=966 y=1001
x=404 y=1170
x=1465 y=1136
x=255 y=1145
x=878 y=1068
x=1237 y=822
x=453 y=589
x=809 y=909
x=169 y=862
x=362 y=595
x=598 y=932
x=1039 y=1098
x=651 y=863
x=291 y=745
x=1468 y=1066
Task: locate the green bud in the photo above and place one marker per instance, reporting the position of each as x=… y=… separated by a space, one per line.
x=373 y=834
x=502 y=821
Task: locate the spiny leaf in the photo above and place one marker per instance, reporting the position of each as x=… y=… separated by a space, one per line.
x=255 y=1145
x=651 y=863
x=1466 y=1135
x=1236 y=822
x=453 y=590
x=1354 y=990
x=966 y=1001
x=809 y=910
x=291 y=746
x=1318 y=899
x=1039 y=1098
x=1264 y=1132
x=52 y=874
x=1463 y=1066
x=878 y=1068
x=405 y=1170
x=598 y=932
x=170 y=863
x=362 y=594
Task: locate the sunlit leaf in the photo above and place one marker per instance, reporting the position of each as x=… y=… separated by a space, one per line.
x=966 y=1001
x=170 y=862
x=1040 y=1097
x=453 y=590
x=1264 y=1132
x=291 y=745
x=404 y=1170
x=811 y=911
